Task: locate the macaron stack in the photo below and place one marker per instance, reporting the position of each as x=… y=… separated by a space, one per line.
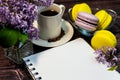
x=104 y=19
x=87 y=21
x=83 y=17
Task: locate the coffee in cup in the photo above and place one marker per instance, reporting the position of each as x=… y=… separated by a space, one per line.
x=50 y=20
x=49 y=13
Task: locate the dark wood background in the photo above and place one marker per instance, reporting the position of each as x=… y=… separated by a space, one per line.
x=12 y=71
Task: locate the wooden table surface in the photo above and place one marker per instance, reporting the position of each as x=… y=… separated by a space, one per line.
x=12 y=71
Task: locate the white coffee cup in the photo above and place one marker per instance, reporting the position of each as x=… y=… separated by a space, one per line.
x=50 y=25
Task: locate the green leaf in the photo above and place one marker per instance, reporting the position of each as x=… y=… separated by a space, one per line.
x=113 y=68
x=23 y=37
x=8 y=37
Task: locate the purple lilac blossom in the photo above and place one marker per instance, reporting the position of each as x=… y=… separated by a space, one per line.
x=42 y=2
x=107 y=56
x=20 y=14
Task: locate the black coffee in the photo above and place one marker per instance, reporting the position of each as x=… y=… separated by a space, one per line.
x=49 y=13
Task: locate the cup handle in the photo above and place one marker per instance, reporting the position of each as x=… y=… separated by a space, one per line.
x=63 y=9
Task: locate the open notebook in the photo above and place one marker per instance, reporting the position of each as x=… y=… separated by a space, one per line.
x=74 y=60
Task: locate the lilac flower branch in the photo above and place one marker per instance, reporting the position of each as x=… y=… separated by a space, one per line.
x=107 y=56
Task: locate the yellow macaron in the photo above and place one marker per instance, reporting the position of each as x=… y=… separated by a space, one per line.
x=82 y=7
x=103 y=38
x=104 y=19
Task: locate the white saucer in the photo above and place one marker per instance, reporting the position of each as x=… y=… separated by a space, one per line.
x=68 y=29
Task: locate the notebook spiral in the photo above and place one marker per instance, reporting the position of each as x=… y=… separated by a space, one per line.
x=33 y=72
